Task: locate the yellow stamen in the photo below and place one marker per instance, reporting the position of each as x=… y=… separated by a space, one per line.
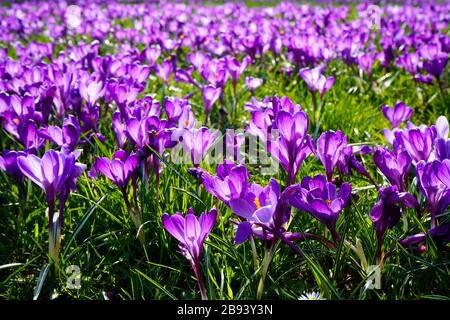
x=117 y=158
x=257 y=203
x=181 y=36
x=16 y=120
x=216 y=74
x=328 y=201
x=186 y=123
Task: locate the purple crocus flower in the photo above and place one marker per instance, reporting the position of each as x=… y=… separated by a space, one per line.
x=329 y=147
x=316 y=81
x=386 y=213
x=236 y=68
x=210 y=95
x=440 y=235
x=321 y=199
x=258 y=207
x=196 y=143
x=164 y=70
x=8 y=163
x=67 y=137
x=442 y=149
x=50 y=173
x=120 y=169
x=230 y=182
x=253 y=83
x=56 y=173
x=434 y=60
x=91 y=90
x=400 y=113
x=292 y=145
x=191 y=232
x=418 y=142
x=395 y=165
x=442 y=127
x=119 y=129
x=365 y=63
x=152 y=54
x=434 y=183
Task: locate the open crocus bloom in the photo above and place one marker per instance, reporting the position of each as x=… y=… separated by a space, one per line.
x=316 y=81
x=397 y=115
x=257 y=207
x=321 y=199
x=120 y=169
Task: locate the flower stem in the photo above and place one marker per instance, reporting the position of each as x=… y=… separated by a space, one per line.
x=268 y=253
x=52 y=235
x=200 y=283
x=255 y=253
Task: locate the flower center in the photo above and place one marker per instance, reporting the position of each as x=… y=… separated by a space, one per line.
x=328 y=201
x=257 y=203
x=16 y=120
x=216 y=74
x=186 y=123
x=117 y=158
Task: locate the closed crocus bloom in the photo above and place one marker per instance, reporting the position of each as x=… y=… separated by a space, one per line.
x=164 y=70
x=386 y=213
x=29 y=135
x=365 y=63
x=210 y=95
x=418 y=142
x=137 y=131
x=120 y=169
x=292 y=145
x=119 y=129
x=434 y=60
x=395 y=165
x=442 y=149
x=197 y=142
x=442 y=127
x=434 y=183
x=191 y=232
x=329 y=147
x=8 y=163
x=236 y=68
x=56 y=173
x=400 y=113
x=321 y=199
x=49 y=173
x=174 y=108
x=152 y=54
x=91 y=90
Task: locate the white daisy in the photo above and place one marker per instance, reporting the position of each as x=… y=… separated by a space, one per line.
x=311 y=296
